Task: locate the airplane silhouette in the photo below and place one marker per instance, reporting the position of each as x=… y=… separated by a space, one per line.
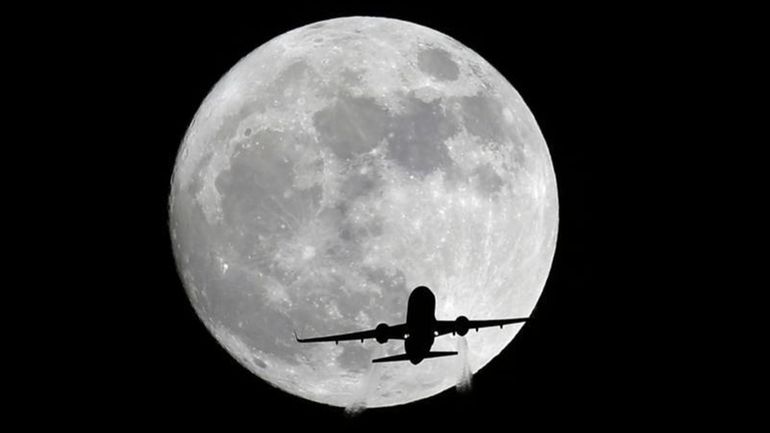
x=419 y=331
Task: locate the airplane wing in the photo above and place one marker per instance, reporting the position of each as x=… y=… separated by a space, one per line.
x=462 y=324
x=382 y=333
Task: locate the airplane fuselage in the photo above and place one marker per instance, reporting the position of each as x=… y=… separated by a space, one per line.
x=420 y=324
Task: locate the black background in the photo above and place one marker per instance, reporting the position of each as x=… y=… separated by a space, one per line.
x=595 y=352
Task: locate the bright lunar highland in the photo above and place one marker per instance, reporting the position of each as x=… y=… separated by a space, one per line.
x=335 y=168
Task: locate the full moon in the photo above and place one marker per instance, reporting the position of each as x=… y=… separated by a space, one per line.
x=335 y=168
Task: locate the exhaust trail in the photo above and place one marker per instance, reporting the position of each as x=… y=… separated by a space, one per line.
x=465 y=374
x=367 y=385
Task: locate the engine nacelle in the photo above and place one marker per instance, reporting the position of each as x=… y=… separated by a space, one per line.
x=461 y=325
x=381 y=333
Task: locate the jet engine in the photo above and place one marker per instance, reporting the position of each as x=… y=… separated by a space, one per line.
x=461 y=325
x=381 y=333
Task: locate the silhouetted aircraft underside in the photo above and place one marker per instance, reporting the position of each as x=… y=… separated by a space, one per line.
x=419 y=331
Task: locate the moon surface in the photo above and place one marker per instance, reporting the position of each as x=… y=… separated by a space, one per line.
x=335 y=168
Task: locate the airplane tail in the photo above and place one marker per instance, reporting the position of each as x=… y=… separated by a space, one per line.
x=405 y=357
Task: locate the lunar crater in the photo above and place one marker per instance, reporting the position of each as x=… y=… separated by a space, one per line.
x=351 y=126
x=438 y=64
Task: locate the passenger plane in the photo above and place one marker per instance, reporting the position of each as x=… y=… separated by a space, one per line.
x=419 y=331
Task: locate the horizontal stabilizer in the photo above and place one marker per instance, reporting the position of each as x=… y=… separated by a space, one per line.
x=405 y=357
x=401 y=357
x=439 y=354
